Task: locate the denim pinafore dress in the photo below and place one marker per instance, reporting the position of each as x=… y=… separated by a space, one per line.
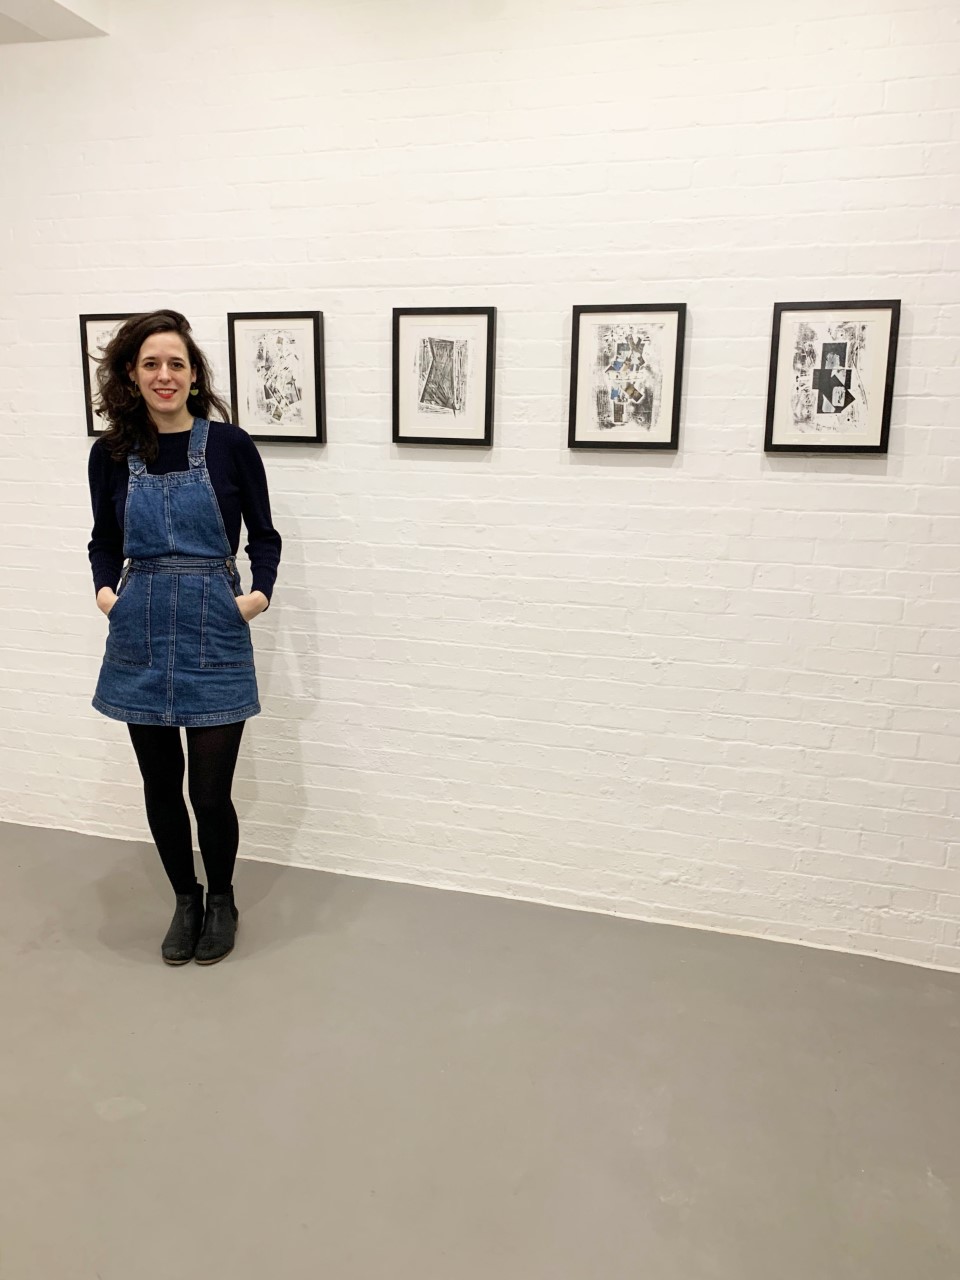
x=179 y=651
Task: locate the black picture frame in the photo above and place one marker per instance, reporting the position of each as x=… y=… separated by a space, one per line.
x=243 y=329
x=585 y=434
x=93 y=326
x=404 y=397
x=818 y=386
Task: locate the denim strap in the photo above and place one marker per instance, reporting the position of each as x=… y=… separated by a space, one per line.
x=197 y=448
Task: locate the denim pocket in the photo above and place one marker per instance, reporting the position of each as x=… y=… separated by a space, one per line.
x=128 y=639
x=224 y=632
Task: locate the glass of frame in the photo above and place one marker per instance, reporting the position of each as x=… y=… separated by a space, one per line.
x=831 y=376
x=277 y=388
x=626 y=373
x=95 y=332
x=443 y=369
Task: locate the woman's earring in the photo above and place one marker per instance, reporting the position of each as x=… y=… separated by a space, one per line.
x=194 y=390
x=136 y=392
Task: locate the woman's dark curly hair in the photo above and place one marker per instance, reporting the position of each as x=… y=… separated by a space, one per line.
x=130 y=429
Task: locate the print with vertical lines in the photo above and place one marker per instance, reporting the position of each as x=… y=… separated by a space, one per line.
x=442 y=369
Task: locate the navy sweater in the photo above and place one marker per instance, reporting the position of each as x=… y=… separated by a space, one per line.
x=239 y=481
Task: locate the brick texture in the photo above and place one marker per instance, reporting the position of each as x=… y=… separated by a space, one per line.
x=715 y=688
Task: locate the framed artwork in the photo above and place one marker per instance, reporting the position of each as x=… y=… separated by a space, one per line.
x=443 y=363
x=626 y=371
x=95 y=332
x=276 y=375
x=831 y=376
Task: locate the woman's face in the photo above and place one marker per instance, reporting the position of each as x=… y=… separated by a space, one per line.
x=164 y=374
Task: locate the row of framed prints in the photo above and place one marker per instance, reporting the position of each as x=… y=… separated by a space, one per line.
x=830 y=387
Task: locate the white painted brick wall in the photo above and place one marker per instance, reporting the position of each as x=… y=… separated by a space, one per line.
x=714 y=688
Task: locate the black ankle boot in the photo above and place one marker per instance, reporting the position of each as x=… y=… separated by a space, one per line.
x=219 y=928
x=181 y=941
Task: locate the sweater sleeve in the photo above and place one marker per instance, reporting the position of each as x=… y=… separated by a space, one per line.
x=106 y=542
x=264 y=543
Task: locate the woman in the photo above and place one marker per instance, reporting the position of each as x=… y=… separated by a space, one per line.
x=169 y=488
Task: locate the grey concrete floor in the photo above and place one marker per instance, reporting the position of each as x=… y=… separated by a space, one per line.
x=389 y=1081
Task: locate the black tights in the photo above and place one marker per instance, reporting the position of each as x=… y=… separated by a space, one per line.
x=212 y=753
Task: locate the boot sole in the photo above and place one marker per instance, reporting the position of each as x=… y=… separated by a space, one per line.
x=176 y=963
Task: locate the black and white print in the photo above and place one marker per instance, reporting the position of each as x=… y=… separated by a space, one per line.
x=443 y=368
x=95 y=332
x=274 y=392
x=625 y=376
x=831 y=376
x=276 y=374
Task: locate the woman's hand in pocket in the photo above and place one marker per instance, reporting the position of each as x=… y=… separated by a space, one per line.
x=106 y=599
x=251 y=604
